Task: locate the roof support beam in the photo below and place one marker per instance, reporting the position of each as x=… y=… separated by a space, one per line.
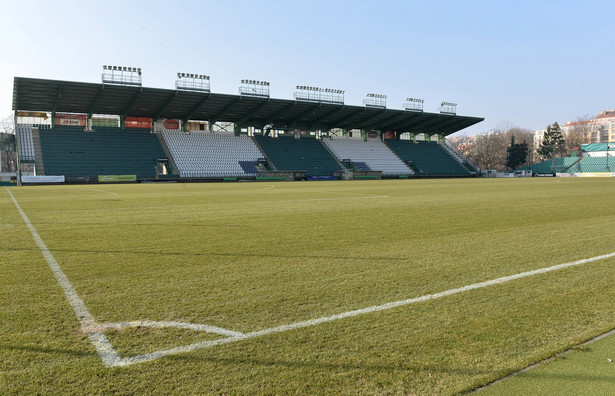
x=272 y=118
x=130 y=104
x=445 y=124
x=164 y=106
x=325 y=116
x=370 y=117
x=403 y=127
x=96 y=100
x=252 y=111
x=196 y=108
x=55 y=106
x=222 y=112
x=390 y=122
x=293 y=121
x=337 y=123
x=421 y=128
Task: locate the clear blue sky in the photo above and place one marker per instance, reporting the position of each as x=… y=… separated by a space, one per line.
x=527 y=63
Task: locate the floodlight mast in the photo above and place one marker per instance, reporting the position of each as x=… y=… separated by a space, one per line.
x=254 y=88
x=121 y=75
x=448 y=108
x=193 y=82
x=306 y=93
x=413 y=104
x=378 y=101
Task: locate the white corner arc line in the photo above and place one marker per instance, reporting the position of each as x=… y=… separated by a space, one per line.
x=375 y=308
x=164 y=324
x=104 y=348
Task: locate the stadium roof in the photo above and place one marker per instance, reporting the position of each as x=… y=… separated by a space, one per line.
x=31 y=94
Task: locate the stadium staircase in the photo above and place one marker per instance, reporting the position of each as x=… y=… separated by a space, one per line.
x=430 y=157
x=305 y=154
x=212 y=155
x=29 y=147
x=460 y=157
x=368 y=155
x=38 y=153
x=167 y=152
x=72 y=151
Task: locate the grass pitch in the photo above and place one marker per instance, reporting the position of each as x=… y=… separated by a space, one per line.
x=252 y=256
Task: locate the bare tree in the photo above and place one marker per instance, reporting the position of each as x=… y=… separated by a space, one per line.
x=7 y=125
x=8 y=156
x=581 y=131
x=488 y=151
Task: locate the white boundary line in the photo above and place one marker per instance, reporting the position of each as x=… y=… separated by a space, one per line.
x=105 y=350
x=111 y=359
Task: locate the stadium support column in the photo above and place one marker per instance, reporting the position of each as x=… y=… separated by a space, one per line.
x=427 y=136
x=364 y=135
x=237 y=129
x=345 y=132
x=122 y=122
x=16 y=150
x=441 y=137
x=413 y=137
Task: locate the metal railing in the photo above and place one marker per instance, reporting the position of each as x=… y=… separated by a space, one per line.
x=461 y=155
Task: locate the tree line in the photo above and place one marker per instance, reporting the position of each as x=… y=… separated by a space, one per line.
x=509 y=147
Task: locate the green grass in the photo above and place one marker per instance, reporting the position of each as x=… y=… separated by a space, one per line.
x=585 y=370
x=250 y=256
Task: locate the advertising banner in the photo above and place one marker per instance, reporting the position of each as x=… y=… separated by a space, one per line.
x=171 y=124
x=42 y=179
x=138 y=122
x=116 y=178
x=71 y=119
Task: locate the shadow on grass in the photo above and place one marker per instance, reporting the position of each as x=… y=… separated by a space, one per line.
x=315 y=363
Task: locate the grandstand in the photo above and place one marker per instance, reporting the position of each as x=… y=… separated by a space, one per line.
x=109 y=130
x=202 y=154
x=371 y=154
x=304 y=154
x=428 y=158
x=71 y=151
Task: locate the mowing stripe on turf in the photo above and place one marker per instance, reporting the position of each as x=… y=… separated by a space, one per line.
x=181 y=207
x=103 y=191
x=104 y=348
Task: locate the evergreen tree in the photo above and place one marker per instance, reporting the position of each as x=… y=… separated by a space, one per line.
x=553 y=143
x=516 y=154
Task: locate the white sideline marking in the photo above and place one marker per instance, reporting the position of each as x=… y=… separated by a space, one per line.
x=343 y=315
x=105 y=350
x=110 y=358
x=103 y=191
